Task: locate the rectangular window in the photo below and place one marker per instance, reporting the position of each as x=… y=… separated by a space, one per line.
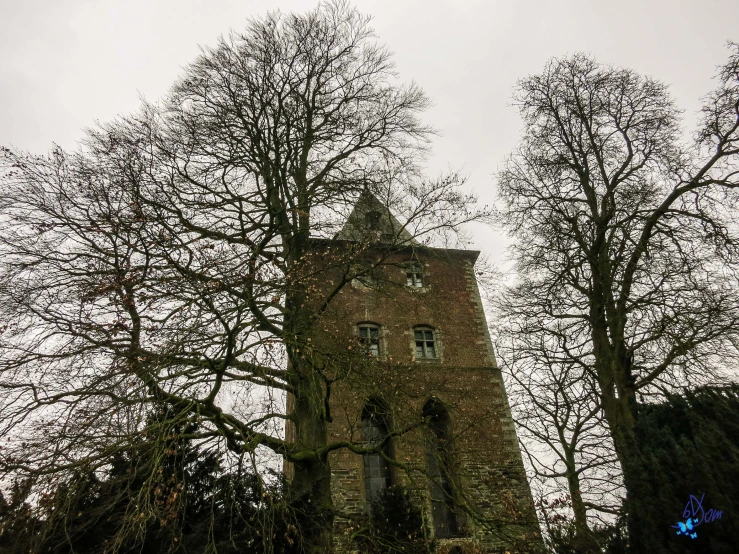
x=425 y=347
x=369 y=336
x=372 y=219
x=414 y=276
x=414 y=279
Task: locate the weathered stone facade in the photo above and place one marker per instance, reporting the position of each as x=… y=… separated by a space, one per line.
x=492 y=498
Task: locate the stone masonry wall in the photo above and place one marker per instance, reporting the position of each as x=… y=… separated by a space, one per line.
x=464 y=378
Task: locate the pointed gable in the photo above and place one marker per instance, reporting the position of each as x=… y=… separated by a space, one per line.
x=372 y=220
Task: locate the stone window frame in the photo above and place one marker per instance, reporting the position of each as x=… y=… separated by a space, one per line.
x=415 y=272
x=368 y=280
x=436 y=340
x=367 y=277
x=375 y=413
x=445 y=517
x=370 y=325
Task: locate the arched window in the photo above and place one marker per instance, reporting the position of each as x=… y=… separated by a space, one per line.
x=439 y=467
x=426 y=346
x=377 y=475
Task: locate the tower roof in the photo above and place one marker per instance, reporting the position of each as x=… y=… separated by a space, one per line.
x=371 y=219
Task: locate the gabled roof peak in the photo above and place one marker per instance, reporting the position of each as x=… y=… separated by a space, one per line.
x=372 y=220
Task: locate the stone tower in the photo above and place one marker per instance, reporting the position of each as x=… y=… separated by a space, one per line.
x=419 y=380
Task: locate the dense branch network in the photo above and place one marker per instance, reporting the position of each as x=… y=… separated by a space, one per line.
x=625 y=251
x=173 y=259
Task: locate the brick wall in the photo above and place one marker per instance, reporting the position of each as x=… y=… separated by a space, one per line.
x=464 y=378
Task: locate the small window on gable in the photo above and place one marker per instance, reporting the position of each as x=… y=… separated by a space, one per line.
x=414 y=276
x=425 y=342
x=369 y=337
x=372 y=220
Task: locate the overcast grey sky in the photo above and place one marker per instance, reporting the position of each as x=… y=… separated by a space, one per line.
x=66 y=63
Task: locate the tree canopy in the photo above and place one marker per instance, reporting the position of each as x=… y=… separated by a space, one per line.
x=172 y=259
x=625 y=245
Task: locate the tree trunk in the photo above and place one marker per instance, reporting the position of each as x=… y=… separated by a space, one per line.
x=585 y=542
x=621 y=416
x=618 y=400
x=310 y=490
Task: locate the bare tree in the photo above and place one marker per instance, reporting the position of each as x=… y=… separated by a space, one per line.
x=174 y=259
x=561 y=428
x=626 y=238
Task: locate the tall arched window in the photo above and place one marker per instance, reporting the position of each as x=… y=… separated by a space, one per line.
x=439 y=467
x=377 y=476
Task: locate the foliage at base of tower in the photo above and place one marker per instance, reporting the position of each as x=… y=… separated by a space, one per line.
x=395 y=525
x=561 y=536
x=179 y=499
x=690 y=446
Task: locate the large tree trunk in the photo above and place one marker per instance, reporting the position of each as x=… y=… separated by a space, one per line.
x=619 y=407
x=311 y=483
x=310 y=489
x=640 y=491
x=618 y=400
x=585 y=542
